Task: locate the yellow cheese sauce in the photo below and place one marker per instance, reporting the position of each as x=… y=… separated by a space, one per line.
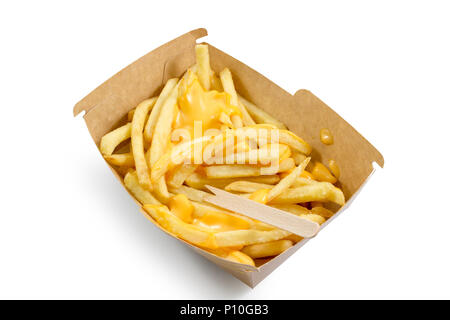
x=260 y=196
x=196 y=104
x=326 y=137
x=221 y=222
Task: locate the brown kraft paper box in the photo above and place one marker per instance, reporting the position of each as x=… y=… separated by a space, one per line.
x=107 y=106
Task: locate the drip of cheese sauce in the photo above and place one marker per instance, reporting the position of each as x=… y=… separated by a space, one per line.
x=326 y=137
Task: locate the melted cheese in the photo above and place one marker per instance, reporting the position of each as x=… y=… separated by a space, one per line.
x=260 y=195
x=196 y=104
x=221 y=222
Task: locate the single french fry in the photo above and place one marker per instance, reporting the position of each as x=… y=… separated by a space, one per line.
x=120 y=159
x=180 y=174
x=161 y=138
x=246 y=186
x=196 y=235
x=298 y=157
x=260 y=116
x=300 y=211
x=314 y=217
x=324 y=212
x=228 y=86
x=284 y=165
x=236 y=121
x=232 y=171
x=287 y=181
x=198 y=181
x=112 y=139
x=284 y=137
x=246 y=118
x=267 y=249
x=163 y=127
x=216 y=84
x=254 y=156
x=240 y=257
x=154 y=115
x=160 y=190
x=300 y=182
x=161 y=166
x=132 y=184
x=244 y=170
x=292 y=208
x=191 y=193
x=233 y=255
x=248 y=237
x=187 y=79
x=137 y=141
x=320 y=191
x=201 y=208
x=204 y=68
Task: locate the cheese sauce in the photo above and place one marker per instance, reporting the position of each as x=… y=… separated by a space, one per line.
x=326 y=137
x=196 y=104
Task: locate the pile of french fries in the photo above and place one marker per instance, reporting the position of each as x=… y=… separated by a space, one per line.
x=200 y=132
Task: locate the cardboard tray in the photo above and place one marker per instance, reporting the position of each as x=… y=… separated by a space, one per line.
x=107 y=106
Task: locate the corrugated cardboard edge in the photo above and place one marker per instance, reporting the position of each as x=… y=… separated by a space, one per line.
x=137 y=78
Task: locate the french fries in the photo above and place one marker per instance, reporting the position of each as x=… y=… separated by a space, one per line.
x=199 y=181
x=298 y=157
x=246 y=186
x=244 y=170
x=120 y=159
x=236 y=146
x=268 y=249
x=248 y=237
x=143 y=196
x=320 y=191
x=180 y=174
x=137 y=141
x=204 y=69
x=287 y=181
x=234 y=255
x=160 y=139
x=112 y=139
x=186 y=231
x=191 y=193
x=259 y=115
x=151 y=123
x=228 y=85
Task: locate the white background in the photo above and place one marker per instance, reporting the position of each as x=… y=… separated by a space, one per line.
x=69 y=230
